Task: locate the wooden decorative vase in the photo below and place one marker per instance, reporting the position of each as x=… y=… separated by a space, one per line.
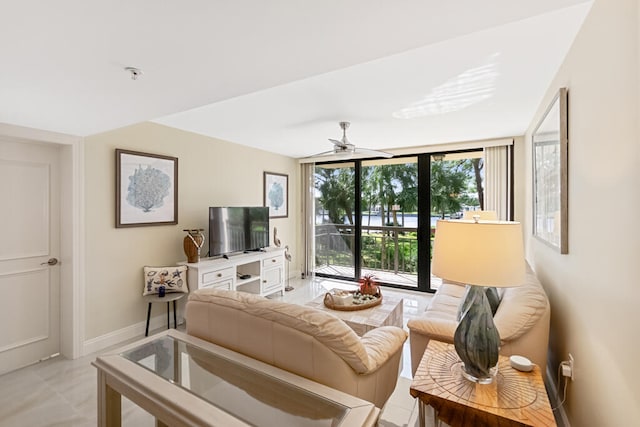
x=192 y=244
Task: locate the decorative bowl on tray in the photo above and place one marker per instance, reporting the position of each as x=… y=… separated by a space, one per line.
x=341 y=296
x=340 y=299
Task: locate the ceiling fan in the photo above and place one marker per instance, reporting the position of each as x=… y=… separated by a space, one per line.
x=342 y=147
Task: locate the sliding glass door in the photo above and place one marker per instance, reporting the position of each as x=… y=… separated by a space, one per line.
x=335 y=220
x=378 y=216
x=389 y=232
x=456 y=186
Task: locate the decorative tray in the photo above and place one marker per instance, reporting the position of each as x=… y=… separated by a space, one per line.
x=338 y=299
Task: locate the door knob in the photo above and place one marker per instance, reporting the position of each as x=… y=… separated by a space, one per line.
x=52 y=261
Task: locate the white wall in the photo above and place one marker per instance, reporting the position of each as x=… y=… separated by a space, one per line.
x=211 y=172
x=594 y=290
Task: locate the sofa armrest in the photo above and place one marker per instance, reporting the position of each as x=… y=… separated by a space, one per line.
x=382 y=343
x=439 y=329
x=520 y=309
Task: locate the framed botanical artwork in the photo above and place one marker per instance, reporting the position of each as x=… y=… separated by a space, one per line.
x=276 y=194
x=146 y=189
x=550 y=143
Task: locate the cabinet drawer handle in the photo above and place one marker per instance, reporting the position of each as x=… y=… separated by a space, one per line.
x=264 y=281
x=219 y=274
x=273 y=260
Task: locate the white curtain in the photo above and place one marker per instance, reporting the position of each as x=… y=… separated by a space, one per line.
x=497 y=181
x=308 y=213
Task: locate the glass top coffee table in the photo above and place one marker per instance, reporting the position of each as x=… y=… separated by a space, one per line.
x=185 y=381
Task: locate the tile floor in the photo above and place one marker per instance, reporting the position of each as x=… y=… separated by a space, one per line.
x=61 y=392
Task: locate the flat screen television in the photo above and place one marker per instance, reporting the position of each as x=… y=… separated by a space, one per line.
x=237 y=229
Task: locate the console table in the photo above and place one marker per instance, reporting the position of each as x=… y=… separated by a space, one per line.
x=184 y=381
x=514 y=398
x=255 y=272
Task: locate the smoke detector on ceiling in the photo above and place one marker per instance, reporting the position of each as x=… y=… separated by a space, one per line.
x=135 y=72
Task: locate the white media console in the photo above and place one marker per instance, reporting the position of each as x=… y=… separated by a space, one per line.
x=256 y=272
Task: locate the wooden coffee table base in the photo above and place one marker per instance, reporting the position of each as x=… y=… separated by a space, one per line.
x=513 y=399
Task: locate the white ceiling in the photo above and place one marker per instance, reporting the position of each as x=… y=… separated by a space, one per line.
x=280 y=74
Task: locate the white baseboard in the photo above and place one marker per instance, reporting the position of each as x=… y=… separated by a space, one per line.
x=97 y=344
x=560 y=414
x=294 y=274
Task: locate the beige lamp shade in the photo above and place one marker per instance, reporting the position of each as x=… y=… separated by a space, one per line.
x=486 y=253
x=483 y=215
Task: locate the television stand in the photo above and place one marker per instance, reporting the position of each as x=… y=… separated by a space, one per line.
x=263 y=272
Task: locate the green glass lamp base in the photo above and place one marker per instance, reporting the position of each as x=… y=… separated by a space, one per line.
x=476 y=339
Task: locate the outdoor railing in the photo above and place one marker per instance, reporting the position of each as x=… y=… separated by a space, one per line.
x=384 y=248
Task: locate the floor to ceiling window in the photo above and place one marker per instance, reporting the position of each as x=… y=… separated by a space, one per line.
x=335 y=220
x=378 y=216
x=457 y=184
x=389 y=212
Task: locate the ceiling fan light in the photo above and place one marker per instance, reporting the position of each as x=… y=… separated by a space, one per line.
x=344 y=149
x=344 y=154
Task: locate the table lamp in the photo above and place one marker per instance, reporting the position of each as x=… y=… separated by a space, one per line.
x=478 y=254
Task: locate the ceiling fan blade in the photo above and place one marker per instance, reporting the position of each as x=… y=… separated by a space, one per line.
x=375 y=153
x=324 y=153
x=358 y=153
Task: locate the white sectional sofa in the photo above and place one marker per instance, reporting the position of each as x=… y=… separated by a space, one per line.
x=522 y=320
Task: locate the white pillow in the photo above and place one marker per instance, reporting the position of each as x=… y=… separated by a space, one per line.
x=174 y=279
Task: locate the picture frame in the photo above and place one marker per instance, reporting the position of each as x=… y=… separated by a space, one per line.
x=146 y=189
x=550 y=144
x=276 y=194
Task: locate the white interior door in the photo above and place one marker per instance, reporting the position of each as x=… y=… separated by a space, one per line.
x=29 y=239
